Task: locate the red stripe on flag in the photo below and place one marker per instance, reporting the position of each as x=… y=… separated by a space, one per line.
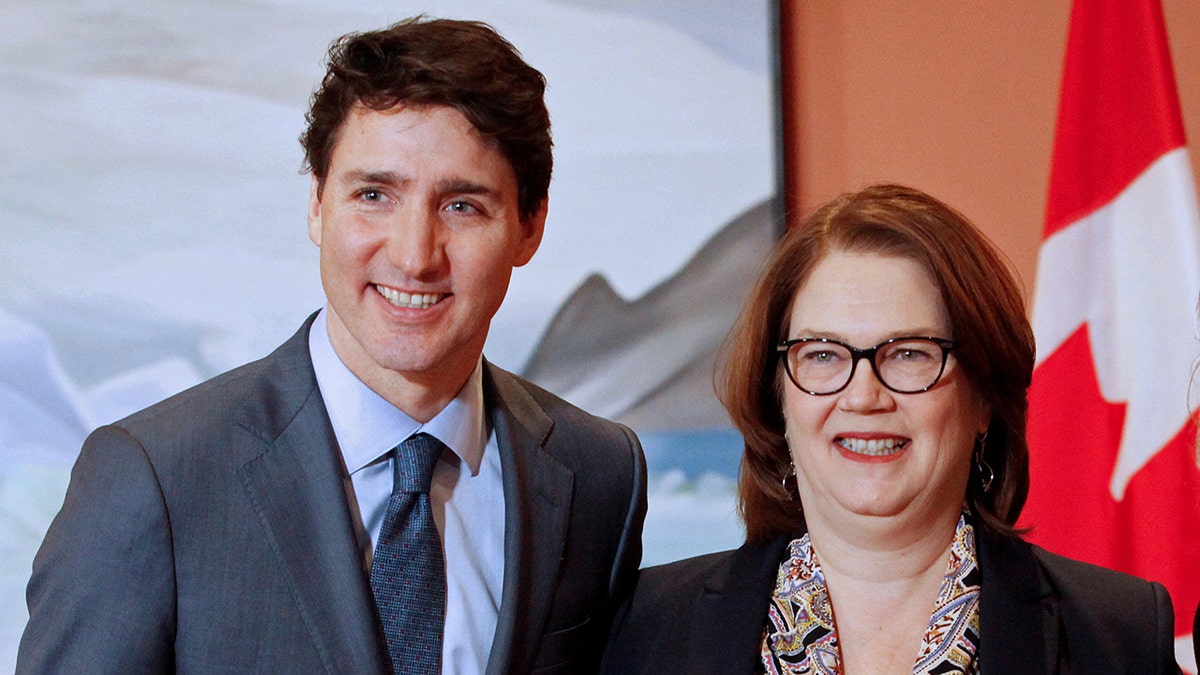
x=1154 y=531
x=1119 y=109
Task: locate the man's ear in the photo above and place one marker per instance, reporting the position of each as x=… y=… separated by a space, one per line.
x=314 y=212
x=532 y=229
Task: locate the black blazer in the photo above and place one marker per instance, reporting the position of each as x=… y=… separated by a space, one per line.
x=212 y=533
x=1039 y=613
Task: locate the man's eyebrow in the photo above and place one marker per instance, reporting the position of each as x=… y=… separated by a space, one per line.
x=466 y=187
x=377 y=177
x=449 y=186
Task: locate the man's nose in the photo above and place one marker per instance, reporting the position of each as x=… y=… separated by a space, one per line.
x=415 y=243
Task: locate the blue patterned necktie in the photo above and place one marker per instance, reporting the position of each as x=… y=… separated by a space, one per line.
x=408 y=574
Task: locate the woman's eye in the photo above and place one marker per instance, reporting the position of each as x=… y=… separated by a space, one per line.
x=820 y=356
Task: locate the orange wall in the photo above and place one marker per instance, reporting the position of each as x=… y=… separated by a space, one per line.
x=956 y=98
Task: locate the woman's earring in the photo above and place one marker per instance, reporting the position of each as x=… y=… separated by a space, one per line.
x=986 y=474
x=783 y=482
x=791 y=473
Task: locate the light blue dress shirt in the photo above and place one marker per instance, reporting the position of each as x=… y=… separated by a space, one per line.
x=467 y=491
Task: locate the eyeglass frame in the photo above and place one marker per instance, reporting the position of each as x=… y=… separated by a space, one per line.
x=869 y=353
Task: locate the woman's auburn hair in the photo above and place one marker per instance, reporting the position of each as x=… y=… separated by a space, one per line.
x=987 y=315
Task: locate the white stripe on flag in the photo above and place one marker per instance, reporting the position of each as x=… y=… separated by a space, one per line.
x=1131 y=271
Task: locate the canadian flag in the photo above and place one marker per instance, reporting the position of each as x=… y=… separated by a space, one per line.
x=1111 y=429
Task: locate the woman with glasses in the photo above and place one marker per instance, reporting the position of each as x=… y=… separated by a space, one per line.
x=878 y=375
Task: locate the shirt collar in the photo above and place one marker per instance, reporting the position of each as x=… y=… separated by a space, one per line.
x=367 y=426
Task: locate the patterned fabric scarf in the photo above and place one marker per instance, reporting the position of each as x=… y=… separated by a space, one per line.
x=801 y=635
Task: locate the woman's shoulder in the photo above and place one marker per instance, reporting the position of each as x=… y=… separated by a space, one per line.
x=1100 y=607
x=704 y=610
x=1099 y=588
x=750 y=563
x=1077 y=585
x=1015 y=560
x=1039 y=608
x=1095 y=618
x=683 y=573
x=670 y=592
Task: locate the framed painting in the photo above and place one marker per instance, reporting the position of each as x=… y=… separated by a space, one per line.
x=153 y=213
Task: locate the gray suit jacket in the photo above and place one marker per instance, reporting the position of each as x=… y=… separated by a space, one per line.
x=1039 y=614
x=212 y=533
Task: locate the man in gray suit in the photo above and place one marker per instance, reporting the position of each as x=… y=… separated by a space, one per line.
x=231 y=528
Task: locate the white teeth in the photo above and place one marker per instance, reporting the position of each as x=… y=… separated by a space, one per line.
x=873 y=447
x=411 y=300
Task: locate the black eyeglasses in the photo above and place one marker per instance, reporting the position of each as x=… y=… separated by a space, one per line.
x=905 y=365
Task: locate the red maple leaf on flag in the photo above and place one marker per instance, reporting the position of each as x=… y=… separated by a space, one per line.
x=1112 y=437
x=1154 y=530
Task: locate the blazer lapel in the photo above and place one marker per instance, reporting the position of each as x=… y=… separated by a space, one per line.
x=1018 y=610
x=537 y=497
x=298 y=487
x=730 y=612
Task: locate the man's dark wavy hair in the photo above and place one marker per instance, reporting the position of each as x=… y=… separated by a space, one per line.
x=466 y=65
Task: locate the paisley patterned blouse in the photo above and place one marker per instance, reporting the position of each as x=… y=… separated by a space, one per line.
x=801 y=635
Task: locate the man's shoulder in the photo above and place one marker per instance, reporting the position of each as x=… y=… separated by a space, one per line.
x=608 y=452
x=561 y=411
x=284 y=374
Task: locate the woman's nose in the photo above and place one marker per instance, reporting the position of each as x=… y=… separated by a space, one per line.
x=865 y=392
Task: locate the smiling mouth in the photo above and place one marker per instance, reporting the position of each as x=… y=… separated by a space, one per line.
x=409 y=300
x=875 y=447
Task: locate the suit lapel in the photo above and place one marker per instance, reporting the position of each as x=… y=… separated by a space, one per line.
x=729 y=614
x=537 y=497
x=1018 y=609
x=298 y=487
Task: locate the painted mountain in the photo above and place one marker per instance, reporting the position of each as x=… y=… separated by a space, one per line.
x=649 y=362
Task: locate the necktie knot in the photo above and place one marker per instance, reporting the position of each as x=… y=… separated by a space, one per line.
x=414 y=462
